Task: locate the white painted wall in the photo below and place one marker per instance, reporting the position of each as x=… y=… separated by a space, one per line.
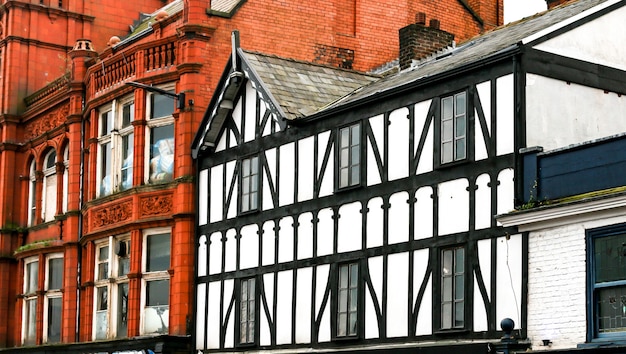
x=582 y=113
x=509 y=278
x=397 y=295
x=399 y=133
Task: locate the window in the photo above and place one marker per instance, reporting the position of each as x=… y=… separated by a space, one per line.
x=347 y=300
x=607 y=272
x=249 y=184
x=160 y=132
x=453 y=128
x=247 y=311
x=66 y=166
x=32 y=195
x=111 y=288
x=29 y=312
x=49 y=202
x=349 y=156
x=115 y=147
x=53 y=299
x=156 y=282
x=453 y=288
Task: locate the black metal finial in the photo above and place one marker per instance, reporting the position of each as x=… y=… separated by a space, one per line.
x=507 y=326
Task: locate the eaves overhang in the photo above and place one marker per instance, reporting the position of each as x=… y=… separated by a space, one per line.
x=601 y=207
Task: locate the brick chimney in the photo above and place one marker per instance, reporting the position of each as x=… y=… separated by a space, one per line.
x=554 y=3
x=418 y=41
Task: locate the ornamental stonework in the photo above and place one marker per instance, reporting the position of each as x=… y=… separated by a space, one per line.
x=155 y=205
x=111 y=215
x=47 y=122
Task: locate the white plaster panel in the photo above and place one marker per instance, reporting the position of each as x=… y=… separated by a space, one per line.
x=216 y=196
x=230 y=329
x=506 y=191
x=249 y=246
x=305 y=236
x=215 y=253
x=374 y=222
x=425 y=159
x=251 y=119
x=423 y=213
x=321 y=282
x=397 y=295
x=230 y=252
x=231 y=181
x=371 y=321
x=483 y=202
x=267 y=128
x=480 y=147
x=265 y=335
x=233 y=140
x=237 y=117
x=484 y=261
x=373 y=173
x=583 y=113
x=268 y=243
x=509 y=278
x=325 y=232
x=505 y=115
x=201 y=330
x=349 y=233
x=203 y=255
x=375 y=268
x=203 y=197
x=270 y=157
x=324 y=330
x=480 y=312
x=398 y=218
x=306 y=149
x=399 y=131
x=420 y=264
x=377 y=125
x=221 y=142
x=325 y=173
x=287 y=167
x=285 y=240
x=599 y=41
x=213 y=317
x=283 y=307
x=303 y=305
x=453 y=206
x=484 y=93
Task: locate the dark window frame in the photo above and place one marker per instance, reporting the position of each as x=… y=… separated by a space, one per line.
x=593 y=286
x=335 y=299
x=438 y=292
x=254 y=341
x=350 y=165
x=242 y=182
x=468 y=136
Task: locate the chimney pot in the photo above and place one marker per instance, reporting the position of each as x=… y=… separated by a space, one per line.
x=434 y=23
x=420 y=18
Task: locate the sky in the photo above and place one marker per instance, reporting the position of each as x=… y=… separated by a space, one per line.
x=517 y=9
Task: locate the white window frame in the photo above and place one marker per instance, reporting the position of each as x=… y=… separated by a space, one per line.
x=30 y=296
x=157 y=122
x=49 y=200
x=51 y=294
x=114 y=136
x=112 y=283
x=153 y=276
x=32 y=194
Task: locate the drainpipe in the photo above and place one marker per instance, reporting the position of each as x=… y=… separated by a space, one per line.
x=80 y=219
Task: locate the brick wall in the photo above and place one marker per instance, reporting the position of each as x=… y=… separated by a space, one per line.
x=418 y=41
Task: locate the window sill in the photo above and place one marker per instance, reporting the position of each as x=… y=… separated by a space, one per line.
x=453 y=331
x=604 y=343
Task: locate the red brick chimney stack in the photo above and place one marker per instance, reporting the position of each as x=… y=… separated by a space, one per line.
x=418 y=41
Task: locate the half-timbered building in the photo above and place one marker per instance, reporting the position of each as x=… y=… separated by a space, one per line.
x=366 y=222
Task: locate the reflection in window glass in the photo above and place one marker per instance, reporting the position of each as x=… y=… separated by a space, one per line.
x=453 y=288
x=55 y=275
x=158 y=253
x=609 y=266
x=453 y=128
x=349 y=156
x=54 y=320
x=247 y=311
x=347 y=300
x=122 y=310
x=32 y=275
x=162 y=153
x=30 y=325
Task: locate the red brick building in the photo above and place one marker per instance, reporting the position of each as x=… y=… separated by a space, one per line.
x=97 y=202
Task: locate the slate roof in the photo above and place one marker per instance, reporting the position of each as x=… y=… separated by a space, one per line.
x=302 y=88
x=224 y=5
x=474 y=50
x=144 y=24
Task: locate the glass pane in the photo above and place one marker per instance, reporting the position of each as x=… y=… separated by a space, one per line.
x=611 y=305
x=254 y=183
x=251 y=289
x=344 y=137
x=162 y=106
x=245 y=184
x=342 y=324
x=55 y=273
x=354 y=177
x=106 y=123
x=446 y=315
x=355 y=155
x=127 y=161
x=31 y=321
x=254 y=167
x=343 y=177
x=352 y=324
x=355 y=130
x=243 y=332
x=459 y=314
x=447 y=262
x=32 y=277
x=344 y=159
x=245 y=167
x=158 y=292
x=51 y=160
x=354 y=275
x=446 y=108
x=105 y=169
x=158 y=252
x=460 y=149
x=102 y=324
x=245 y=204
x=122 y=310
x=610 y=263
x=253 y=201
x=446 y=130
x=103 y=271
x=128 y=114
x=459 y=126
x=460 y=103
x=162 y=153
x=343 y=300
x=353 y=300
x=102 y=300
x=446 y=152
x=459 y=287
x=343 y=277
x=459 y=260
x=447 y=289
x=54 y=320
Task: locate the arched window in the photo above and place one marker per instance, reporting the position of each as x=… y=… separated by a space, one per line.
x=49 y=202
x=66 y=166
x=32 y=194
